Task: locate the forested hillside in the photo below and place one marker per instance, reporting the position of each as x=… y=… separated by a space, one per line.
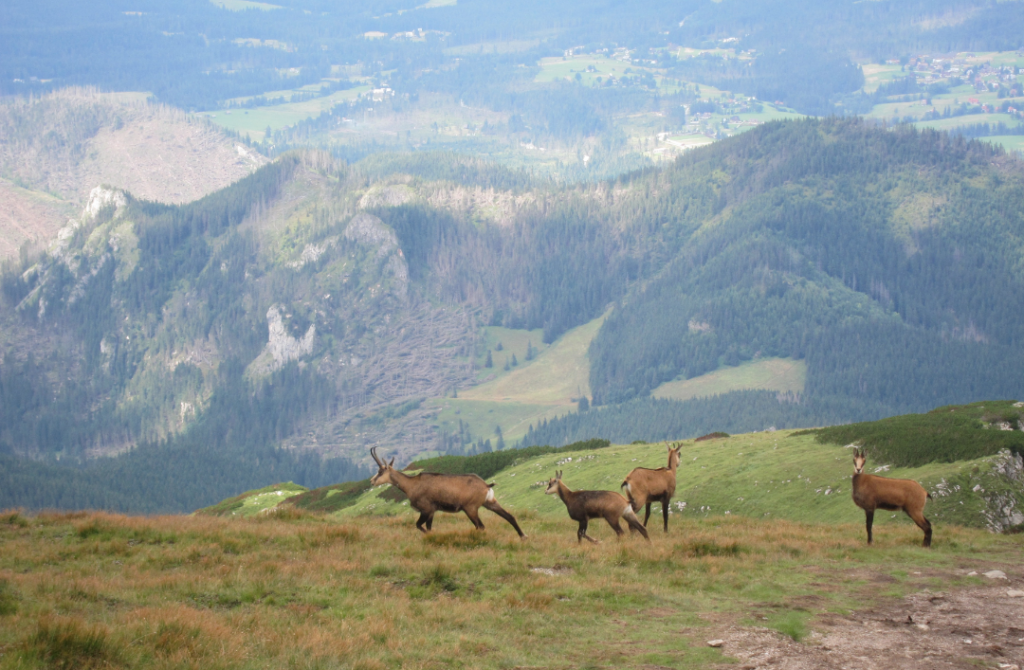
x=310 y=310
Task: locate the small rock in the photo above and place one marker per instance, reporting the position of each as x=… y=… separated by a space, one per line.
x=1015 y=593
x=995 y=574
x=716 y=643
x=922 y=626
x=972 y=573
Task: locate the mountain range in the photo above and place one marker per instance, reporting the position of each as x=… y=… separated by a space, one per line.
x=167 y=351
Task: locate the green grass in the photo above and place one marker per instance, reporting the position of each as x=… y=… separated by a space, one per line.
x=772 y=374
x=1008 y=142
x=772 y=475
x=512 y=341
x=253 y=502
x=557 y=376
x=254 y=122
x=549 y=386
x=969 y=120
x=484 y=416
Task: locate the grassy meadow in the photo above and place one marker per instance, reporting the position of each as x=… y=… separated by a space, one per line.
x=762 y=534
x=92 y=590
x=782 y=474
x=773 y=374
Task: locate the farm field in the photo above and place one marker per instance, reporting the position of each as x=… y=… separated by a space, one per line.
x=772 y=374
x=363 y=589
x=948 y=71
x=254 y=122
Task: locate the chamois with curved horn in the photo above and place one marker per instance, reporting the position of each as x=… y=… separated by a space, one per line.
x=645 y=485
x=586 y=505
x=429 y=492
x=871 y=492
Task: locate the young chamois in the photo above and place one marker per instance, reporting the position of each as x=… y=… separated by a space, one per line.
x=429 y=492
x=871 y=492
x=586 y=505
x=644 y=485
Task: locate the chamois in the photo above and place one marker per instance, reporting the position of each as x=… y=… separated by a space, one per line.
x=586 y=505
x=871 y=492
x=429 y=492
x=644 y=485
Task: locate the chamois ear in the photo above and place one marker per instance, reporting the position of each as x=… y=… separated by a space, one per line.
x=392 y=463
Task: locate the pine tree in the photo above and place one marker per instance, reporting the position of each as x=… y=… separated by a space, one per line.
x=514 y=361
x=498 y=347
x=529 y=350
x=507 y=368
x=489 y=363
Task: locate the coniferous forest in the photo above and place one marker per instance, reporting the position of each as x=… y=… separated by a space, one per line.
x=267 y=331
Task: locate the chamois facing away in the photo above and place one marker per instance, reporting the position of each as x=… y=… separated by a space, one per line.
x=429 y=492
x=872 y=492
x=644 y=485
x=586 y=505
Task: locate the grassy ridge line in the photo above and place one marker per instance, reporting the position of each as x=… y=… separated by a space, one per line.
x=770 y=475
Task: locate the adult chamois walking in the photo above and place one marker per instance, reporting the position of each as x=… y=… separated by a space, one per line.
x=586 y=505
x=871 y=492
x=429 y=492
x=644 y=485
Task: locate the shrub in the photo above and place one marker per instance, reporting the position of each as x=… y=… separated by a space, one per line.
x=944 y=435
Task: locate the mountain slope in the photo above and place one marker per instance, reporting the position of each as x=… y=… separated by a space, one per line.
x=863 y=251
x=976 y=478
x=315 y=306
x=66 y=143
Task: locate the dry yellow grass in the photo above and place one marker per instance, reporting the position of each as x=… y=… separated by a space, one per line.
x=102 y=590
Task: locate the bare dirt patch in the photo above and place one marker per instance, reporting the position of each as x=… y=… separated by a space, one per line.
x=974 y=627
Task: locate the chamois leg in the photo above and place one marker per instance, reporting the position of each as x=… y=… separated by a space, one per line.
x=425 y=518
x=500 y=511
x=869 y=519
x=582 y=533
x=474 y=517
x=634 y=523
x=647 y=513
x=664 y=511
x=616 y=526
x=924 y=525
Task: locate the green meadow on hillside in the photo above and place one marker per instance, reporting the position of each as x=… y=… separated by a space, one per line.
x=771 y=374
x=771 y=475
x=963 y=455
x=767 y=540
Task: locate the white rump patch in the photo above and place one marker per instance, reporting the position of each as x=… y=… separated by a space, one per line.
x=629 y=489
x=490 y=495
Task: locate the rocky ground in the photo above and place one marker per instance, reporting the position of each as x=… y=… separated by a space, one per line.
x=978 y=627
